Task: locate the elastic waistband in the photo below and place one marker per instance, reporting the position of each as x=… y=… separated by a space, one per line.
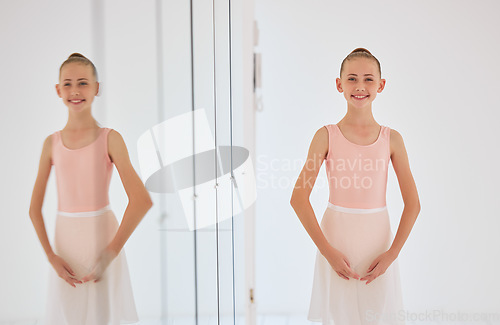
x=85 y=213
x=355 y=210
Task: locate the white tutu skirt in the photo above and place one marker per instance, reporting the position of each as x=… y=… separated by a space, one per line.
x=79 y=241
x=361 y=235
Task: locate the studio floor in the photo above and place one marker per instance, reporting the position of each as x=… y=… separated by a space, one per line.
x=276 y=320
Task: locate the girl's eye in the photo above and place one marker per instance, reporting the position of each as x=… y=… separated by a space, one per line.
x=83 y=83
x=67 y=84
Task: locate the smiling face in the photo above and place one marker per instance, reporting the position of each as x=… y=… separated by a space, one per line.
x=77 y=86
x=360 y=82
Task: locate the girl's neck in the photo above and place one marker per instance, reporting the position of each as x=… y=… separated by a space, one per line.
x=359 y=117
x=80 y=122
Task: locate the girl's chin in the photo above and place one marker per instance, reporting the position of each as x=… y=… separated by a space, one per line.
x=360 y=105
x=77 y=108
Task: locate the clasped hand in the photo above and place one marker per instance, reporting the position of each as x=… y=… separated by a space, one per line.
x=379 y=266
x=106 y=257
x=342 y=267
x=65 y=272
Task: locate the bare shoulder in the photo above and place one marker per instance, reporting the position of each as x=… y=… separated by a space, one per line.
x=47 y=148
x=321 y=135
x=396 y=136
x=397 y=143
x=47 y=143
x=45 y=163
x=319 y=143
x=117 y=148
x=115 y=138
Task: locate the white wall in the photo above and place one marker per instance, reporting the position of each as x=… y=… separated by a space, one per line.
x=440 y=59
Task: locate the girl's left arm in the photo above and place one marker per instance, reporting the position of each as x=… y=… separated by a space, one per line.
x=139 y=199
x=408 y=189
x=139 y=202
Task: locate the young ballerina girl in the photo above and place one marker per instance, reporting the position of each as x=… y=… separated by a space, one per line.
x=91 y=284
x=354 y=240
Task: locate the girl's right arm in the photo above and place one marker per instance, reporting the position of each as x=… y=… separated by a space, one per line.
x=35 y=212
x=302 y=206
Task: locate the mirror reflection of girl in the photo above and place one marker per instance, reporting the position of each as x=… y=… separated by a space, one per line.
x=90 y=284
x=356 y=278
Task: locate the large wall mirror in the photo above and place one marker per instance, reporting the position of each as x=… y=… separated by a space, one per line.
x=172 y=77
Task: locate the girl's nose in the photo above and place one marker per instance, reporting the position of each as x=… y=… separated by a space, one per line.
x=360 y=87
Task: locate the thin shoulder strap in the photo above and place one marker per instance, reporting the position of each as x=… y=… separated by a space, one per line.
x=54 y=137
x=331 y=130
x=106 y=142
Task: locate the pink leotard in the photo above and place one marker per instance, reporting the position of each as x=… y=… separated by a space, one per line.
x=356 y=223
x=83 y=175
x=85 y=225
x=357 y=173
